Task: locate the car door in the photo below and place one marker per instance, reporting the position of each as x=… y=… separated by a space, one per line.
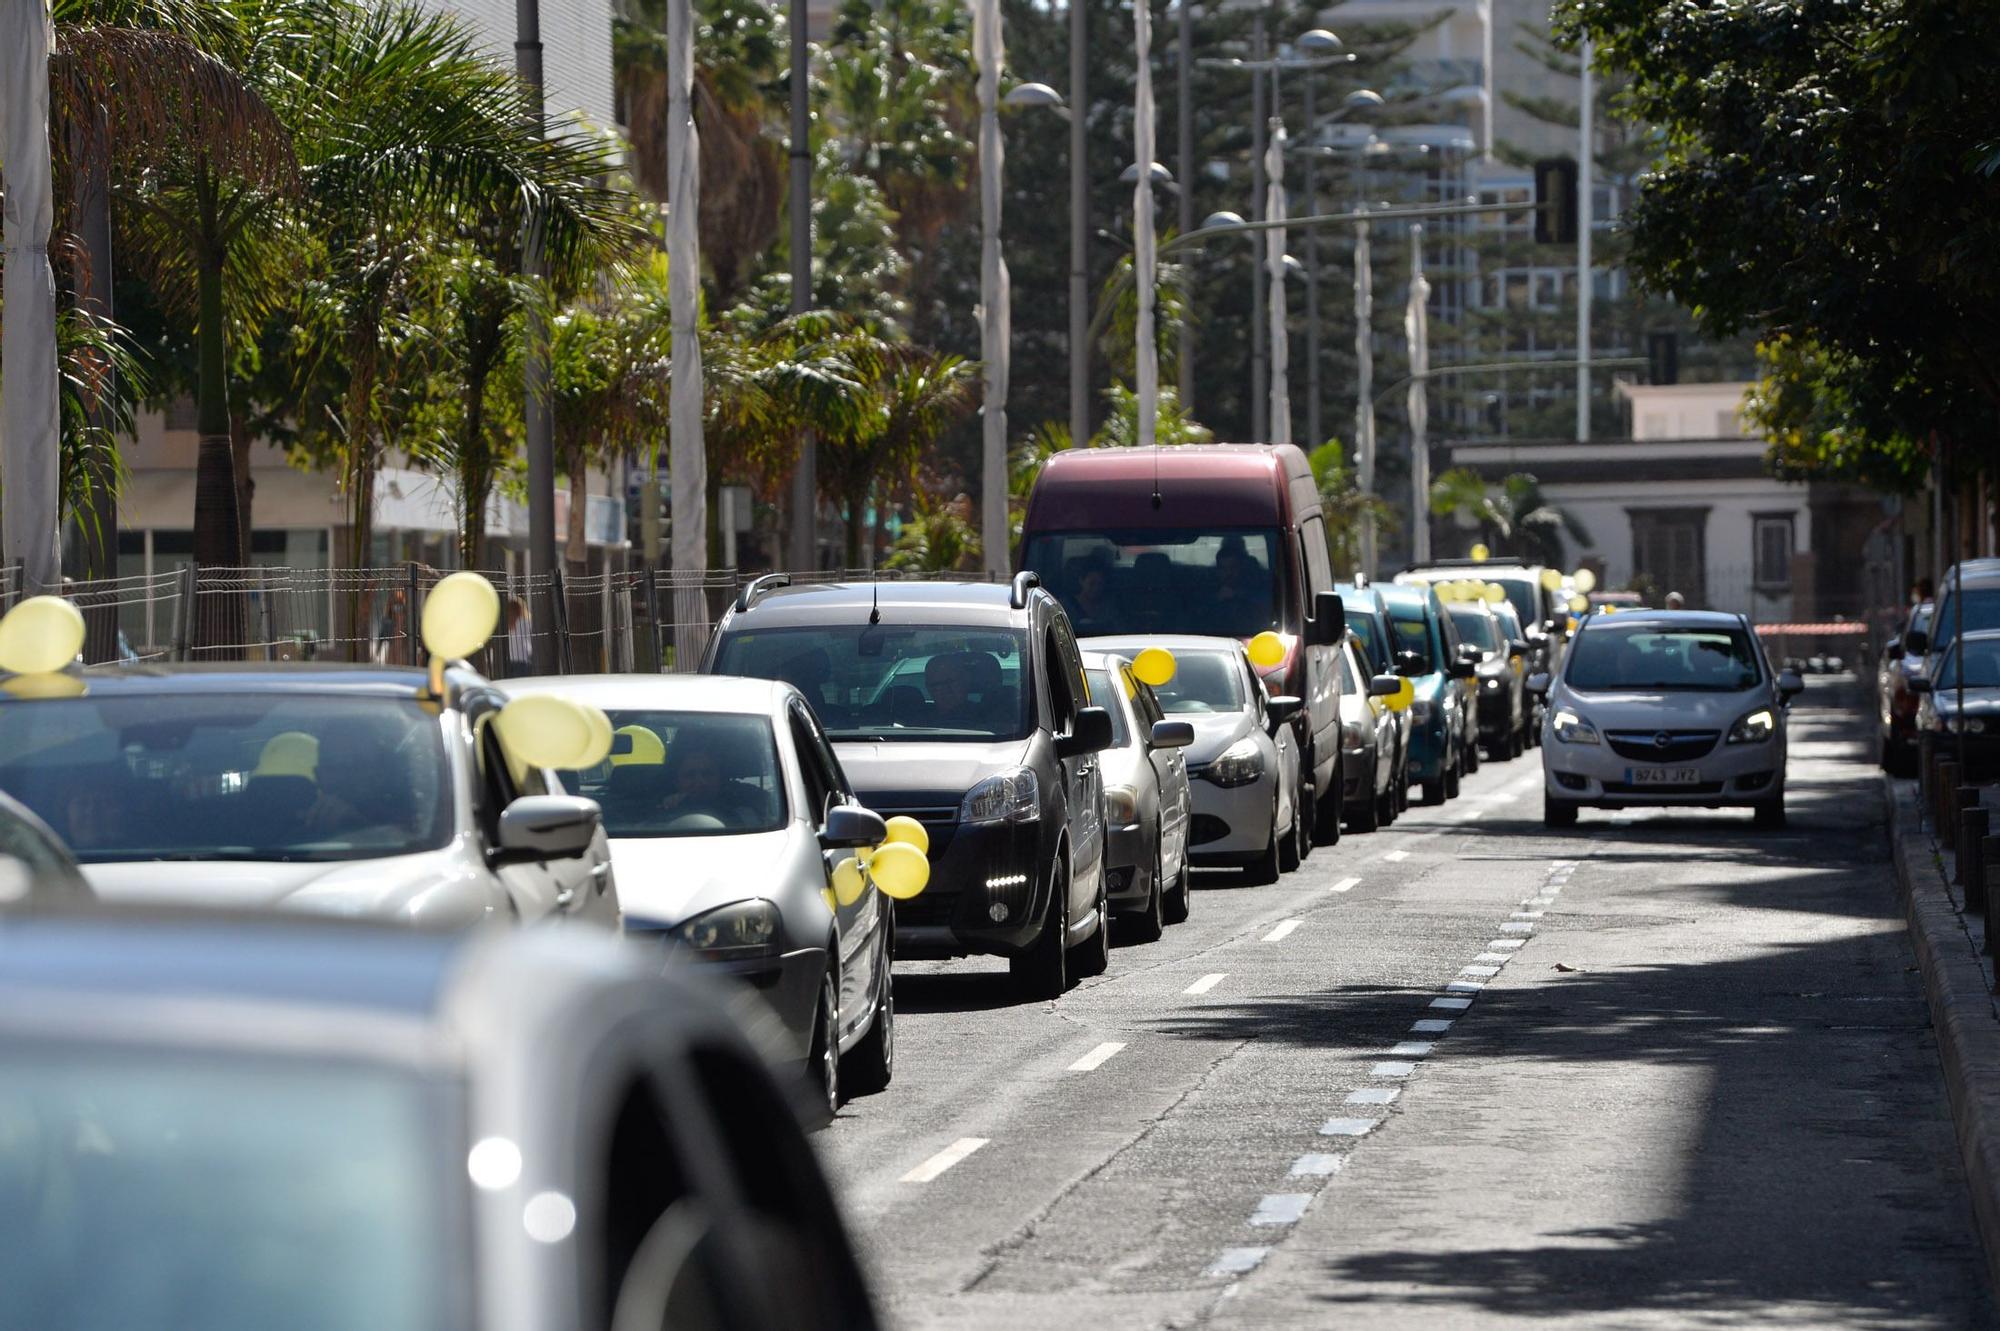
x=529 y=885
x=1083 y=782
x=858 y=927
x=1170 y=771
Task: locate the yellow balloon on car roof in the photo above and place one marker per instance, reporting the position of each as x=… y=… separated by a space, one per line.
x=1585 y=580
x=41 y=635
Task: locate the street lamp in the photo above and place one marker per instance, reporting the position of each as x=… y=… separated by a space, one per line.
x=1158 y=176
x=1359 y=100
x=1035 y=95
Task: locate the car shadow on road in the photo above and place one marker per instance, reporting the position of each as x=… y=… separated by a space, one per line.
x=957 y=991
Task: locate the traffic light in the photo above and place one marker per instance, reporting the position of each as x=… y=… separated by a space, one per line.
x=1555 y=201
x=1663 y=358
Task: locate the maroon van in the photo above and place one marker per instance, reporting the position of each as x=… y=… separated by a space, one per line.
x=1222 y=539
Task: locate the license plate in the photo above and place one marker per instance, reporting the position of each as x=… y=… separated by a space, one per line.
x=1663 y=776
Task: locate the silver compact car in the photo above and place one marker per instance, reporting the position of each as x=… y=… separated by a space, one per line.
x=1674 y=707
x=1147 y=804
x=1373 y=763
x=1243 y=766
x=281 y=1121
x=341 y=789
x=727 y=811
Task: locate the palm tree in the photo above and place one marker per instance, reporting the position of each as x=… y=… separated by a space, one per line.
x=1346 y=509
x=1513 y=515
x=942 y=539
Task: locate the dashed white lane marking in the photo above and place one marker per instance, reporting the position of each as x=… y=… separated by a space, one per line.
x=1348 y=1127
x=1451 y=1004
x=1494 y=958
x=1479 y=970
x=1345 y=885
x=1374 y=1095
x=1284 y=928
x=1097 y=1057
x=1506 y=944
x=1431 y=1026
x=1281 y=1208
x=1413 y=1048
x=1395 y=855
x=1317 y=1166
x=1392 y=1069
x=945 y=1159
x=1518 y=926
x=1238 y=1261
x=1526 y=915
x=1464 y=987
x=1206 y=983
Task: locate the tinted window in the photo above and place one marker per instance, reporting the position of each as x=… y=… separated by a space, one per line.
x=1982 y=611
x=1104 y=692
x=1982 y=665
x=1412 y=630
x=676 y=774
x=1226 y=582
x=1650 y=657
x=255 y=776
x=1523 y=595
x=896 y=681
x=1475 y=626
x=1202 y=682
x=1373 y=644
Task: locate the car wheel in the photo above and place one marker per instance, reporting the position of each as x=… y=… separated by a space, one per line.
x=1150 y=923
x=869 y=1066
x=1328 y=813
x=1266 y=867
x=823 y=1062
x=1289 y=853
x=1176 y=904
x=1451 y=781
x=1305 y=818
x=1434 y=792
x=1042 y=971
x=1472 y=757
x=1389 y=803
x=1770 y=813
x=1093 y=954
x=1558 y=813
x=1367 y=814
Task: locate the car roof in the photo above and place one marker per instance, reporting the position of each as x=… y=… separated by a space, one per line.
x=1173 y=642
x=687 y=693
x=226 y=677
x=1349 y=592
x=1408 y=593
x=1693 y=619
x=1451 y=570
x=1099 y=659
x=911 y=602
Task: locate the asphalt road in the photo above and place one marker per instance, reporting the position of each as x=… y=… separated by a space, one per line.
x=1656 y=1071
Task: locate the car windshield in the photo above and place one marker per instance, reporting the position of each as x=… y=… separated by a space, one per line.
x=1649 y=657
x=249 y=776
x=1227 y=583
x=673 y=774
x=1104 y=692
x=896 y=681
x=1980 y=658
x=1475 y=626
x=1202 y=682
x=1981 y=611
x=1413 y=634
x=144 y=1189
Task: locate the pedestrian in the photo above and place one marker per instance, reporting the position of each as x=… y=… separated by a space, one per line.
x=520 y=639
x=389 y=630
x=1675 y=601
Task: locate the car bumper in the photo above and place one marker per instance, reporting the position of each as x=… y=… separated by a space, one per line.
x=1427 y=751
x=1595 y=774
x=1497 y=715
x=988 y=893
x=1128 y=866
x=1982 y=752
x=1232 y=824
x=786 y=988
x=1357 y=774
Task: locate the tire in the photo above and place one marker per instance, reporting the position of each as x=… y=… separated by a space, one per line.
x=1290 y=856
x=1471 y=756
x=1093 y=955
x=1042 y=972
x=1387 y=805
x=1403 y=789
x=1451 y=781
x=1265 y=869
x=1150 y=923
x=868 y=1067
x=823 y=1055
x=1558 y=813
x=1175 y=905
x=1434 y=792
x=1367 y=816
x=1769 y=814
x=1329 y=814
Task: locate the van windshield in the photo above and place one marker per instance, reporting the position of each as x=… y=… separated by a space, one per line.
x=1219 y=582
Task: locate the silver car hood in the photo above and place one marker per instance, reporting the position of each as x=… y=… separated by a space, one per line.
x=666 y=880
x=1215 y=732
x=1665 y=709
x=436 y=886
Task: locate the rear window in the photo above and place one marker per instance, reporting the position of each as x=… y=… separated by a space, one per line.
x=1982 y=611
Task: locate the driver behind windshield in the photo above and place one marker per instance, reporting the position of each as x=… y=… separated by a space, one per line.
x=965 y=692
x=698 y=786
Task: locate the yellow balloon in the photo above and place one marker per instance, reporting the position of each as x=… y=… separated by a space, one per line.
x=1267 y=649
x=1156 y=665
x=42 y=634
x=1585 y=580
x=899 y=869
x=599 y=747
x=1405 y=694
x=848 y=884
x=1552 y=579
x=460 y=614
x=826 y=895
x=545 y=731
x=47 y=684
x=289 y=753
x=647 y=751
x=910 y=832
x=1578 y=604
x=1495 y=594
x=1480 y=554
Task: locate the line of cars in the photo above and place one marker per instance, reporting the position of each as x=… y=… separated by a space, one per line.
x=1927 y=668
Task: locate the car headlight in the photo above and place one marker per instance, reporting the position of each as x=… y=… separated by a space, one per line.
x=1755 y=728
x=1573 y=729
x=1121 y=805
x=1240 y=764
x=732 y=932
x=1011 y=797
x=1972 y=725
x=1351 y=735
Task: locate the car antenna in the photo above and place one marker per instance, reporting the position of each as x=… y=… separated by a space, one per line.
x=875 y=599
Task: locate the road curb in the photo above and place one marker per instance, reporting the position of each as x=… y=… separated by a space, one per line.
x=1962 y=1009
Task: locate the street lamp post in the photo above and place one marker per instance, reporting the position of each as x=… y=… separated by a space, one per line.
x=1184 y=114
x=1079 y=220
x=804 y=551
x=988 y=54
x=538 y=411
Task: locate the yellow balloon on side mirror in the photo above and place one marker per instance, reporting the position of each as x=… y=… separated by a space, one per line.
x=40 y=635
x=1156 y=665
x=543 y=730
x=1480 y=554
x=460 y=615
x=910 y=832
x=1267 y=649
x=1405 y=694
x=1552 y=579
x=899 y=869
x=848 y=884
x=1585 y=580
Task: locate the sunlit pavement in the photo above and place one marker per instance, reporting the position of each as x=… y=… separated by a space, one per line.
x=1659 y=1070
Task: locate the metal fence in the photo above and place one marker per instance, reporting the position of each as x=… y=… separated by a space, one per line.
x=630 y=620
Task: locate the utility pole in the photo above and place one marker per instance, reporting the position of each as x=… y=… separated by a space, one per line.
x=1364 y=382
x=539 y=411
x=1585 y=179
x=1079 y=233
x=1313 y=436
x=1185 y=173
x=989 y=54
x=1260 y=385
x=803 y=554
x=1416 y=327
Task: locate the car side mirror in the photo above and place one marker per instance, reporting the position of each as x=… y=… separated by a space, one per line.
x=849 y=827
x=1790 y=685
x=1916 y=642
x=1538 y=684
x=1519 y=647
x=548 y=827
x=1282 y=708
x=1384 y=686
x=1409 y=663
x=1463 y=668
x=1091 y=734
x=1173 y=734
x=1915 y=683
x=1329 y=620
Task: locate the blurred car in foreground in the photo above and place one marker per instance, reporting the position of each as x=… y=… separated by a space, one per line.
x=1665 y=707
x=217 y=1121
x=727 y=810
x=1895 y=702
x=349 y=790
x=1147 y=805
x=1960 y=702
x=35 y=867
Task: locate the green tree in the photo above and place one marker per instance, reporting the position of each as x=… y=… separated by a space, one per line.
x=1346 y=508
x=942 y=539
x=1513 y=515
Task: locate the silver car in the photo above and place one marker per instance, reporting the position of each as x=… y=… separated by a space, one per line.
x=1374 y=769
x=727 y=811
x=347 y=790
x=35 y=867
x=1147 y=804
x=1665 y=707
x=1243 y=766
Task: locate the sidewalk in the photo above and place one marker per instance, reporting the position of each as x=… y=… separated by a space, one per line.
x=1959 y=981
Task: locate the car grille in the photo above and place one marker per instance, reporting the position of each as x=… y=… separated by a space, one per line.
x=1700 y=788
x=938 y=821
x=1645 y=745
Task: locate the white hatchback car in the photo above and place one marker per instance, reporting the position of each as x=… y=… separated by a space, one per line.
x=1668 y=707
